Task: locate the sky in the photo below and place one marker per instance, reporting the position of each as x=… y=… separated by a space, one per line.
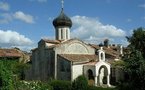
x=23 y=23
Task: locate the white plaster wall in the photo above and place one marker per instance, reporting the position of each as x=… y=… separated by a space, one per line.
x=61 y=33
x=75 y=47
x=77 y=70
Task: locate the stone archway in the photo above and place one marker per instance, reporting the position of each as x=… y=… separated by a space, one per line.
x=103 y=77
x=103 y=72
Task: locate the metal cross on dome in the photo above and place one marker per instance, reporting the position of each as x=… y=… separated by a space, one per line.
x=62 y=2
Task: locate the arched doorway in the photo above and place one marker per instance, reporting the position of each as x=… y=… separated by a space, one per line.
x=90 y=77
x=90 y=74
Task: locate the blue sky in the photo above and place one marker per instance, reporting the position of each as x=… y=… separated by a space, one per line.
x=24 y=22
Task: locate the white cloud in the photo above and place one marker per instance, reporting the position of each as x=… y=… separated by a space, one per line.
x=11 y=38
x=93 y=30
x=24 y=17
x=4 y=6
x=7 y=17
x=143 y=6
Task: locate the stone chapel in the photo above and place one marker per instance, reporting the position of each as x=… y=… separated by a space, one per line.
x=66 y=59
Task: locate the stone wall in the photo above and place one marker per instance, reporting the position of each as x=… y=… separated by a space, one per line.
x=63 y=69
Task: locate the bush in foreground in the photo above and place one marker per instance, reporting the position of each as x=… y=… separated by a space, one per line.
x=80 y=83
x=60 y=85
x=32 y=85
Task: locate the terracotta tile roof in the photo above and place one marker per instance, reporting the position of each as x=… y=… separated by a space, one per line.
x=9 y=53
x=91 y=63
x=52 y=41
x=78 y=57
x=94 y=46
x=70 y=40
x=109 y=51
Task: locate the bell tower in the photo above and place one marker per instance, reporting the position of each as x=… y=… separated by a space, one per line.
x=62 y=25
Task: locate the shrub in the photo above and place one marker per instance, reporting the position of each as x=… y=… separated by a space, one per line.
x=60 y=85
x=80 y=83
x=124 y=86
x=33 y=85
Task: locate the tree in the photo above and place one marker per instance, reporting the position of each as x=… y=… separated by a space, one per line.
x=10 y=72
x=135 y=69
x=6 y=76
x=137 y=40
x=135 y=62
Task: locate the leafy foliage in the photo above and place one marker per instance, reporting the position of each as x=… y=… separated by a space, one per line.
x=32 y=85
x=6 y=75
x=135 y=69
x=135 y=62
x=119 y=64
x=60 y=85
x=137 y=40
x=10 y=72
x=80 y=83
x=19 y=69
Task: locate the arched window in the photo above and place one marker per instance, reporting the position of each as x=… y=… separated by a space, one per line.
x=102 y=56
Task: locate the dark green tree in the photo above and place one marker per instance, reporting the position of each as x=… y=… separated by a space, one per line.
x=137 y=40
x=135 y=70
x=134 y=61
x=6 y=76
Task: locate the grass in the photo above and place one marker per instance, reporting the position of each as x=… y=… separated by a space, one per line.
x=100 y=88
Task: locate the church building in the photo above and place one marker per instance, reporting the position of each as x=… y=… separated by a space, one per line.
x=66 y=59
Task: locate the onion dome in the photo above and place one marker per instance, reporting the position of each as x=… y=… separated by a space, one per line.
x=62 y=20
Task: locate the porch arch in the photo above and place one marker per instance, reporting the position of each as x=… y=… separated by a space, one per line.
x=102 y=74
